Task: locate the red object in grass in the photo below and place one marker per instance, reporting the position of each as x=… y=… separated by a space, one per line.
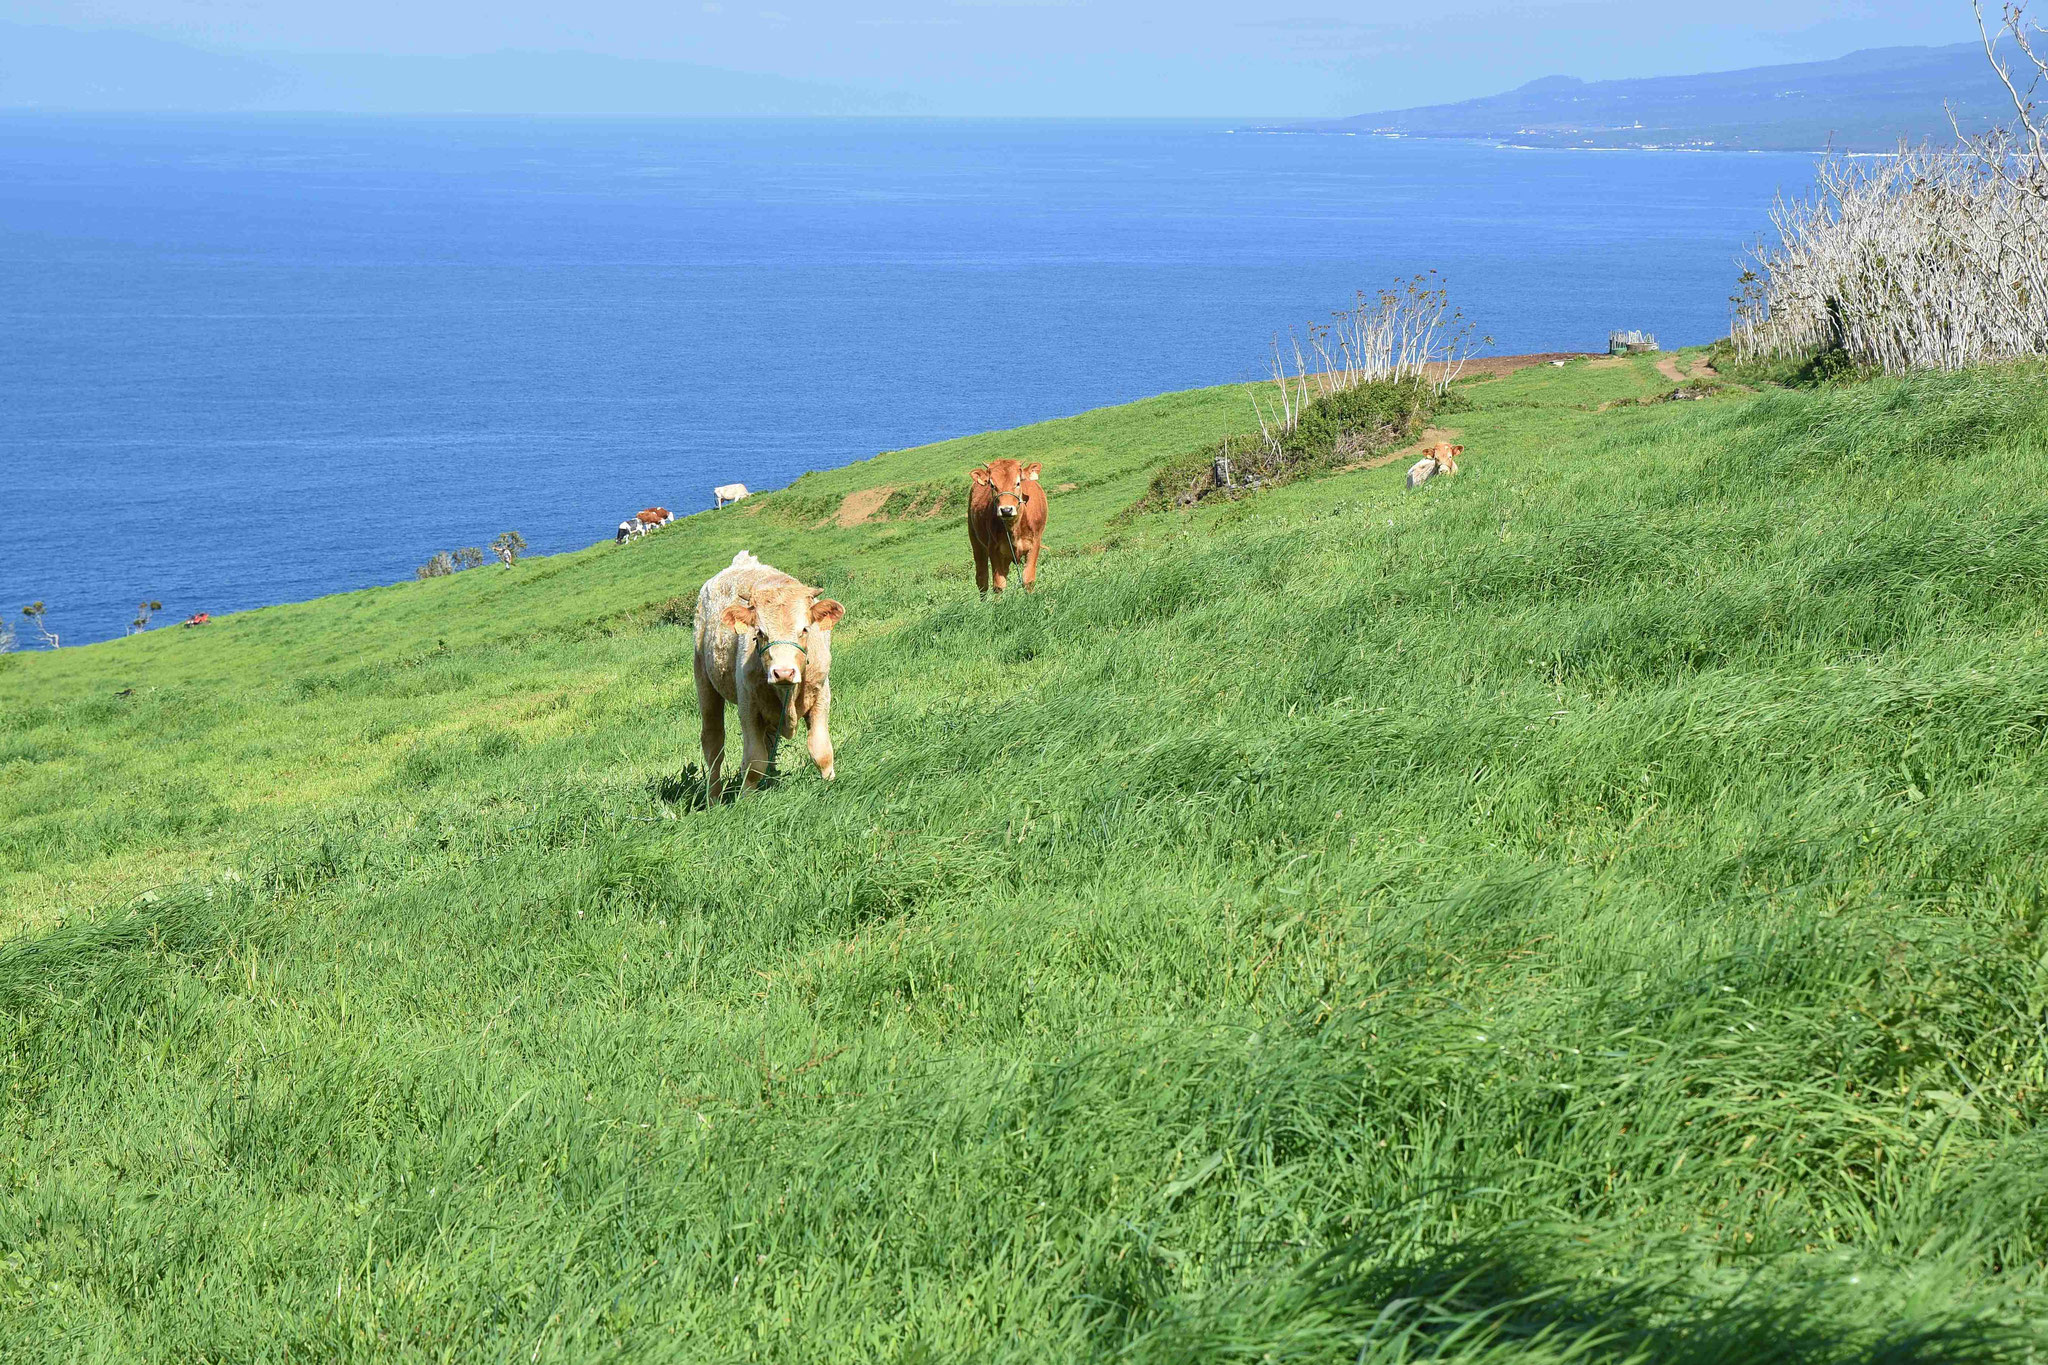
x=197 y=619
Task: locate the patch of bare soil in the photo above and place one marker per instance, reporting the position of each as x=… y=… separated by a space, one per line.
x=1066 y=488
x=858 y=507
x=1494 y=366
x=1667 y=365
x=1428 y=438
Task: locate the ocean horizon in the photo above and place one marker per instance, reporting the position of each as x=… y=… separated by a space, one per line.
x=260 y=359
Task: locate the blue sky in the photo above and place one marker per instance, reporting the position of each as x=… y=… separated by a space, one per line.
x=1030 y=57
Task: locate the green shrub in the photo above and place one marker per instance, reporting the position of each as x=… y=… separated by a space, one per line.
x=1342 y=428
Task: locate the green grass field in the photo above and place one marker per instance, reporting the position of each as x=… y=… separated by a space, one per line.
x=1589 y=910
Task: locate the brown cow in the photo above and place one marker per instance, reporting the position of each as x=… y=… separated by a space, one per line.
x=653 y=516
x=1441 y=458
x=1005 y=521
x=764 y=644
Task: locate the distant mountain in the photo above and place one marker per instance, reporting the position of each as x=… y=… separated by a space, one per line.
x=1866 y=101
x=43 y=67
x=61 y=68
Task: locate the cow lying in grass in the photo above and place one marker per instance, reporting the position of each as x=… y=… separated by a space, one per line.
x=1005 y=521
x=764 y=645
x=1441 y=458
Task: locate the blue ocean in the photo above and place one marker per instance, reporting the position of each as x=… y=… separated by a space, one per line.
x=257 y=360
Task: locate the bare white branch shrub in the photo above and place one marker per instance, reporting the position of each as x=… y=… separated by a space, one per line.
x=1930 y=259
x=1410 y=332
x=34 y=612
x=2029 y=138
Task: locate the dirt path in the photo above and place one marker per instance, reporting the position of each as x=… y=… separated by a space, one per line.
x=1668 y=367
x=858 y=507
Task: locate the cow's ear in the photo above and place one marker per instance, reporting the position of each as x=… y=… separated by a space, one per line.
x=740 y=617
x=1031 y=470
x=825 y=613
x=981 y=475
x=1457 y=450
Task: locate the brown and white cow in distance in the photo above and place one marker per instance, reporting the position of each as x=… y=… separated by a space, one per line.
x=764 y=645
x=1005 y=521
x=1441 y=458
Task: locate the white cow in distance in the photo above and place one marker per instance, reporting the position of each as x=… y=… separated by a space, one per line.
x=729 y=492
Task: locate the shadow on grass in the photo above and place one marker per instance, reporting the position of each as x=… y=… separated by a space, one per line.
x=1504 y=1294
x=689 y=789
x=1499 y=1300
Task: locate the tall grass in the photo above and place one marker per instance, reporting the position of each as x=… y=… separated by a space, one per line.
x=1558 y=918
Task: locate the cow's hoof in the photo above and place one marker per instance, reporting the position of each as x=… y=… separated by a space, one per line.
x=826 y=772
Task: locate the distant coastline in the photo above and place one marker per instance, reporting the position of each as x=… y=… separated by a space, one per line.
x=1869 y=101
x=1481 y=140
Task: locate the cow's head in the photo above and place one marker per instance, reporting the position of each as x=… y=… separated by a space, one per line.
x=1447 y=456
x=790 y=626
x=1010 y=482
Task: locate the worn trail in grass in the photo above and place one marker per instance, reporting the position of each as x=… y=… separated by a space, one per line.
x=1586 y=910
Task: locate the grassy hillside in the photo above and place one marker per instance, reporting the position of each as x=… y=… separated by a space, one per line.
x=1587 y=910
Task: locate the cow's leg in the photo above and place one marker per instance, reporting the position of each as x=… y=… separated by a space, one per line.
x=1030 y=568
x=999 y=564
x=758 y=742
x=818 y=731
x=980 y=567
x=711 y=711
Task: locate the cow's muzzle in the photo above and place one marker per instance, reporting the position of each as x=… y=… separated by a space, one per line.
x=783 y=675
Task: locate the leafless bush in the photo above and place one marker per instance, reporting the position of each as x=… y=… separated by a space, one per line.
x=1406 y=333
x=2025 y=154
x=34 y=612
x=1927 y=259
x=440 y=566
x=1930 y=259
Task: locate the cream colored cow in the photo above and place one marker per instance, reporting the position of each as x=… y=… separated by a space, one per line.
x=729 y=492
x=1441 y=458
x=764 y=645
